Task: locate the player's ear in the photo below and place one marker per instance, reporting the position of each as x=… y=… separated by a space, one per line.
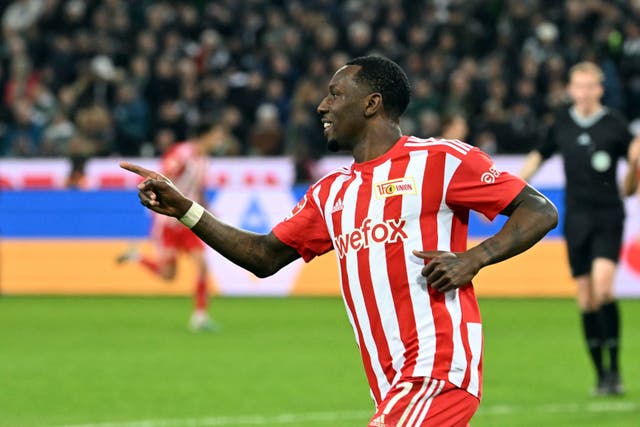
x=372 y=104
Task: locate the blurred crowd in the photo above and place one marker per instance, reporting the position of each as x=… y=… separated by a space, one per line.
x=114 y=77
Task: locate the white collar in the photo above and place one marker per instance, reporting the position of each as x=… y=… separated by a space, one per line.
x=588 y=121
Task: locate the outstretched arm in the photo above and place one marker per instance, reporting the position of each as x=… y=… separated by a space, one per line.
x=262 y=254
x=532 y=163
x=531 y=216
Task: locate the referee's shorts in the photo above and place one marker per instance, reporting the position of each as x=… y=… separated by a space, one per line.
x=591 y=235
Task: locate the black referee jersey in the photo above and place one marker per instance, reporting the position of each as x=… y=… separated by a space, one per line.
x=590 y=149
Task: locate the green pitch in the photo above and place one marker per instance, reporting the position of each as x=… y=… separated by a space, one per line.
x=131 y=362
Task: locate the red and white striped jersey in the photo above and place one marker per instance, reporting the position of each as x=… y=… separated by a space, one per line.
x=373 y=214
x=187 y=168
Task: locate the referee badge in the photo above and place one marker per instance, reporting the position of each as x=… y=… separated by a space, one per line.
x=600 y=161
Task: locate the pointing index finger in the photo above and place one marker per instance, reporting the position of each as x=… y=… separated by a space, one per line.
x=145 y=173
x=139 y=170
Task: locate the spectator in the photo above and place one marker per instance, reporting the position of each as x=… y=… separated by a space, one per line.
x=163 y=140
x=266 y=137
x=22 y=81
x=164 y=81
x=140 y=74
x=424 y=98
x=61 y=59
x=95 y=132
x=224 y=143
x=130 y=117
x=455 y=127
x=212 y=56
x=304 y=143
x=57 y=135
x=429 y=123
x=23 y=134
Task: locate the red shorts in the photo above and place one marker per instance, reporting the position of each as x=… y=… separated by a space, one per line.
x=170 y=239
x=425 y=402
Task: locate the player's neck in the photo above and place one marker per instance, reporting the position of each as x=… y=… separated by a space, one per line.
x=588 y=110
x=375 y=142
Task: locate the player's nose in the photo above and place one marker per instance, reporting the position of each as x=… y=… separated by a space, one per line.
x=323 y=107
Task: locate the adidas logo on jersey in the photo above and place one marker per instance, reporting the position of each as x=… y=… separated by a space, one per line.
x=338 y=206
x=389 y=231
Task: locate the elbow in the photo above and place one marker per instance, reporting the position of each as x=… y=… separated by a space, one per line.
x=262 y=273
x=546 y=214
x=551 y=216
x=628 y=190
x=265 y=269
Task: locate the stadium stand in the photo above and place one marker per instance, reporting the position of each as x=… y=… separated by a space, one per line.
x=98 y=78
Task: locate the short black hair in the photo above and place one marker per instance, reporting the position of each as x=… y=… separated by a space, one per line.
x=386 y=77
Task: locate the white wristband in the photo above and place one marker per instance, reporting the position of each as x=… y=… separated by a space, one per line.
x=193 y=215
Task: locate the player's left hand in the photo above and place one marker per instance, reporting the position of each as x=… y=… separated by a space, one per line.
x=446 y=271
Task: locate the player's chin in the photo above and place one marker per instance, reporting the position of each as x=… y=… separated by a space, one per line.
x=333 y=145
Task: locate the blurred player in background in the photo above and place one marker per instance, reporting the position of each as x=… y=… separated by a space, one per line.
x=403 y=204
x=591 y=138
x=77 y=177
x=185 y=164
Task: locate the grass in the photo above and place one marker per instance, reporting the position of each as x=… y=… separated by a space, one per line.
x=85 y=361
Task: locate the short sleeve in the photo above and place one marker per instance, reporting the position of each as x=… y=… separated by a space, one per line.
x=478 y=185
x=625 y=136
x=305 y=229
x=548 y=145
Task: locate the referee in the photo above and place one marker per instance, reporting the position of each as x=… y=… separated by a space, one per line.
x=591 y=138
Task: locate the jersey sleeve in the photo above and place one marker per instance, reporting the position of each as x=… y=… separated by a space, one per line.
x=304 y=229
x=478 y=185
x=625 y=137
x=547 y=145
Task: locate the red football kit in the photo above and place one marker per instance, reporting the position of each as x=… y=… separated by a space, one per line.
x=187 y=169
x=373 y=214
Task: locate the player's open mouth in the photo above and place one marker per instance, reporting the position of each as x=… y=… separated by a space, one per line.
x=327 y=125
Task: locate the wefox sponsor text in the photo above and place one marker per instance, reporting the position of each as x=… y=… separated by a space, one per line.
x=389 y=231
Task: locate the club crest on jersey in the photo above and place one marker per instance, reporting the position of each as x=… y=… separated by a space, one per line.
x=490 y=177
x=389 y=231
x=395 y=187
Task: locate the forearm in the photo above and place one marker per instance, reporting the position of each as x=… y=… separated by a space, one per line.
x=630 y=183
x=261 y=254
x=531 y=165
x=529 y=222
